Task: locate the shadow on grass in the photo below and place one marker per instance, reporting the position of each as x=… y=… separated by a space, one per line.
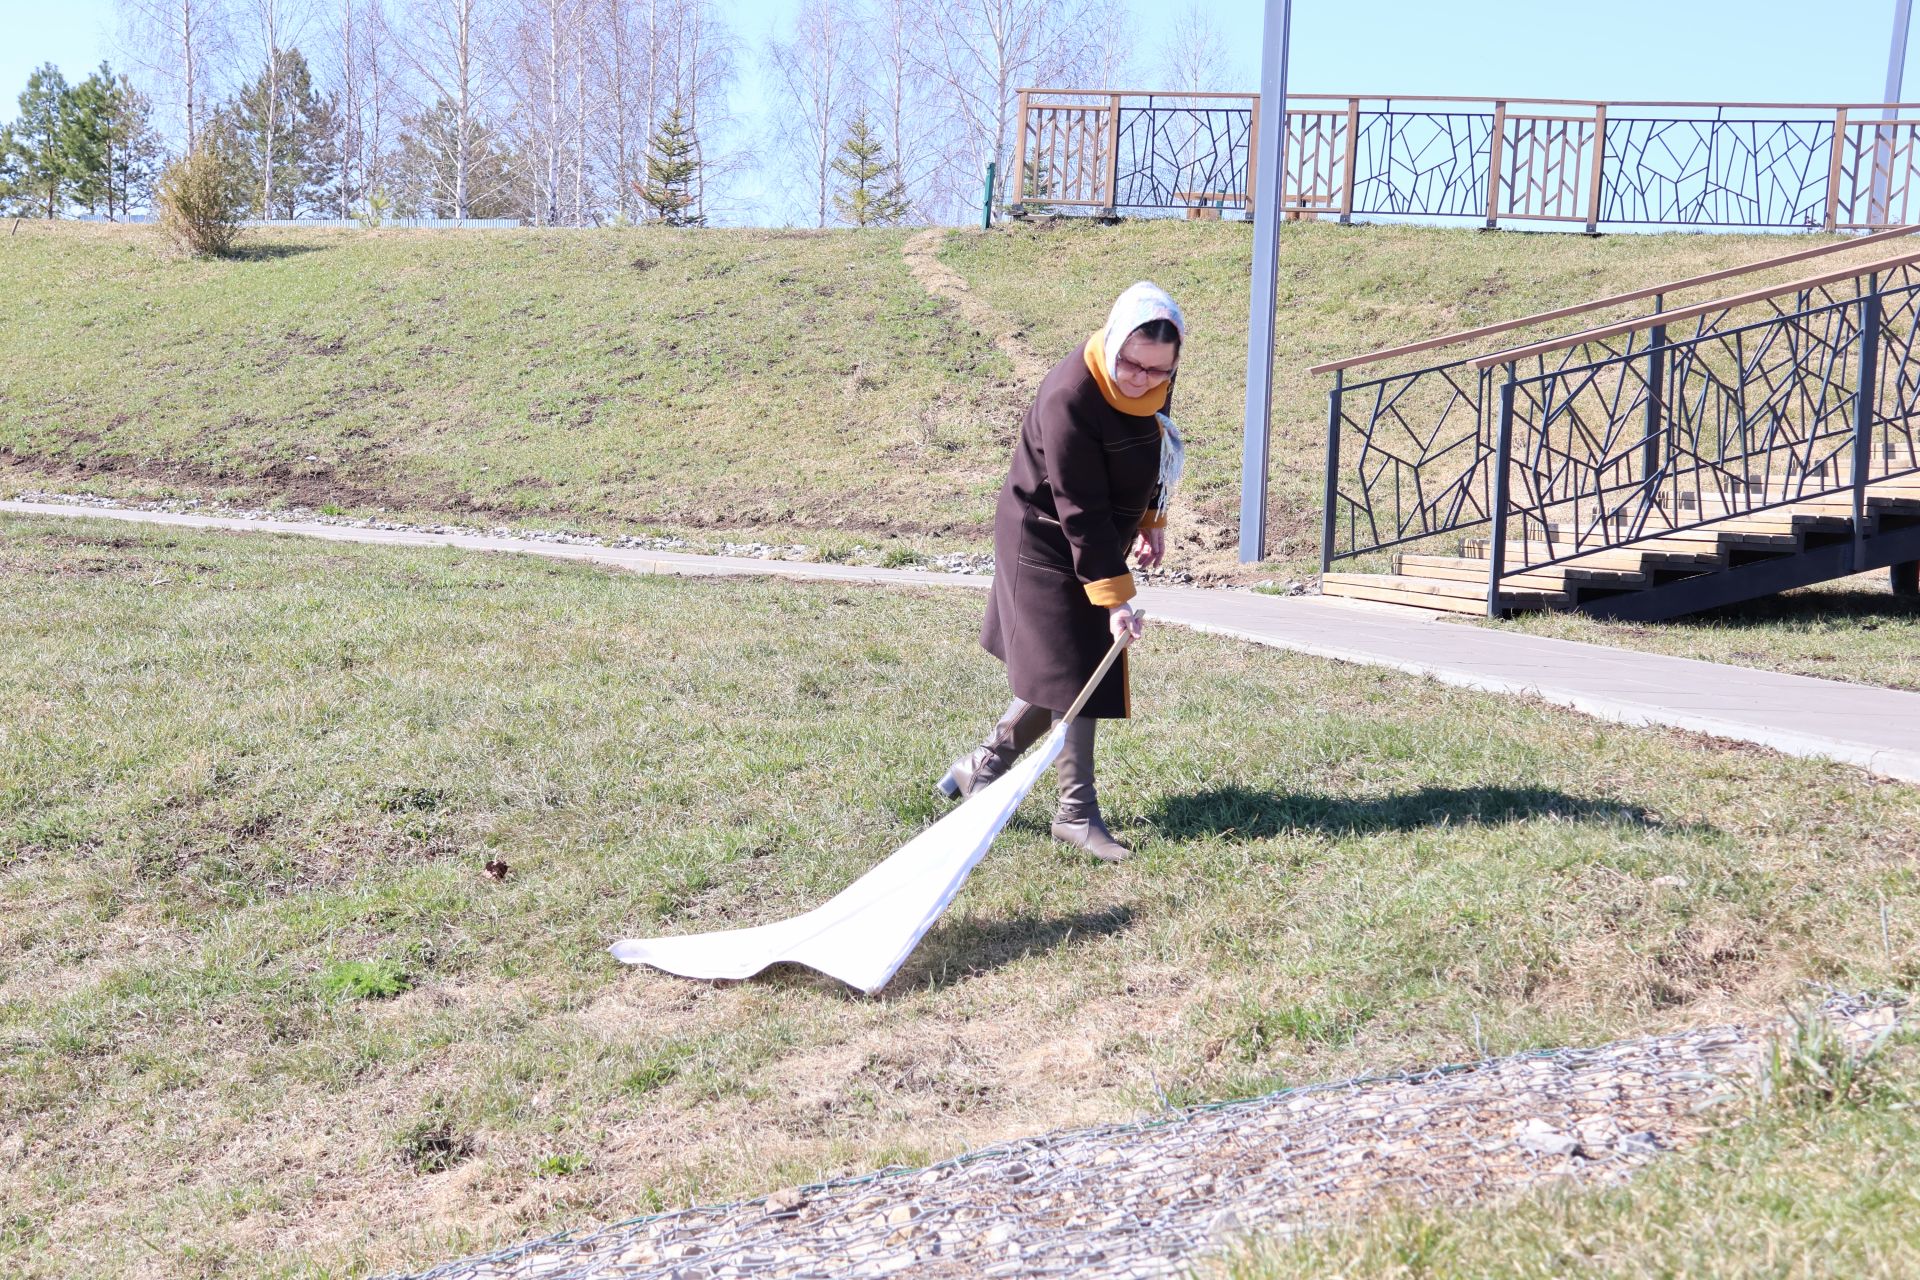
x=1258 y=815
x=254 y=251
x=958 y=949
x=1811 y=607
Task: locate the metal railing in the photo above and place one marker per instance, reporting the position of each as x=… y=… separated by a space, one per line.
x=1658 y=424
x=1587 y=163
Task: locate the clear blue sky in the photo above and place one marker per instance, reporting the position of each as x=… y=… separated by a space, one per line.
x=1793 y=50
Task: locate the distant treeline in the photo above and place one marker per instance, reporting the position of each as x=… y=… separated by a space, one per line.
x=569 y=112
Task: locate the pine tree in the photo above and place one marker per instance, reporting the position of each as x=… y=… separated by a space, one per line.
x=86 y=121
x=37 y=144
x=1036 y=187
x=287 y=130
x=135 y=154
x=874 y=195
x=673 y=169
x=16 y=198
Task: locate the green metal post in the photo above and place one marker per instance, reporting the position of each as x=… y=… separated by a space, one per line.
x=986 y=203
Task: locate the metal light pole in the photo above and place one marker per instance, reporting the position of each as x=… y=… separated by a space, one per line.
x=1883 y=138
x=1269 y=154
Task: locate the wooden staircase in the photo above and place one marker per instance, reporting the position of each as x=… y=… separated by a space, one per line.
x=1742 y=555
x=1743 y=445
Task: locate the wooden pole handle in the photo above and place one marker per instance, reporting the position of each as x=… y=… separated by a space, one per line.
x=1119 y=647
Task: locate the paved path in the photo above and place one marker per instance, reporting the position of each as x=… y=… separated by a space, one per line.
x=1876 y=729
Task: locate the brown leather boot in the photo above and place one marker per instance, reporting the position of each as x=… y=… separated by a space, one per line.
x=1078 y=820
x=1022 y=725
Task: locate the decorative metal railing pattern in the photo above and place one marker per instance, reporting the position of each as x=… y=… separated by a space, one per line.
x=1730 y=422
x=1176 y=154
x=1717 y=173
x=1591 y=164
x=1432 y=163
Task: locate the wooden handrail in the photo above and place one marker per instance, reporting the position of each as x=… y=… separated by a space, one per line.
x=1144 y=93
x=1530 y=102
x=1687 y=313
x=1618 y=299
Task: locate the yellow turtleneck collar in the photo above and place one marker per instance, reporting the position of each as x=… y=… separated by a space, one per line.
x=1140 y=406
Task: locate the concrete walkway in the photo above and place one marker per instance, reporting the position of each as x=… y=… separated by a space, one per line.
x=1875 y=729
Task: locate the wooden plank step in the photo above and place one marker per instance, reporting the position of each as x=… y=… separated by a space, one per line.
x=1431 y=593
x=1380 y=594
x=1790 y=524
x=1766 y=528
x=1543 y=580
x=1641 y=559
x=1712 y=536
x=1766 y=525
x=1818 y=512
x=1437 y=587
x=1553 y=577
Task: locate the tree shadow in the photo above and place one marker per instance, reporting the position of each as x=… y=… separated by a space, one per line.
x=1259 y=815
x=257 y=251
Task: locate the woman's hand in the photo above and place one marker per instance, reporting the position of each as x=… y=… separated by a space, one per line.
x=1123 y=621
x=1151 y=547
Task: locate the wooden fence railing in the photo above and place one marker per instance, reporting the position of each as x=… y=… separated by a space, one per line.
x=1825 y=166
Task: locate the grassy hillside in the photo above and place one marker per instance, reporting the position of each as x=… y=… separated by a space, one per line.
x=263 y=1014
x=795 y=386
x=736 y=380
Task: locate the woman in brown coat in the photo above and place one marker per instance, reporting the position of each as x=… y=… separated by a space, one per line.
x=1095 y=464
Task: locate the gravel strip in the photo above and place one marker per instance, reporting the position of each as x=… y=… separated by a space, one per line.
x=1152 y=1197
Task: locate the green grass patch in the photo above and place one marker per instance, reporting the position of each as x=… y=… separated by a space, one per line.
x=364 y=980
x=560 y=1166
x=230 y=762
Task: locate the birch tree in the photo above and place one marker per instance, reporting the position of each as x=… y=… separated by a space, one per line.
x=697 y=59
x=815 y=76
x=983 y=51
x=273 y=27
x=362 y=76
x=446 y=49
x=1196 y=58
x=628 y=53
x=905 y=105
x=176 y=43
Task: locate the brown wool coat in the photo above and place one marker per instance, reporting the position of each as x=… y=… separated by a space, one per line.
x=1083 y=474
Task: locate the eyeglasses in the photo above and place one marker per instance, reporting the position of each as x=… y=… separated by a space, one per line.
x=1137 y=370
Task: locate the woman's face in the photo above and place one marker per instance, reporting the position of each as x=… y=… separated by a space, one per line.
x=1143 y=365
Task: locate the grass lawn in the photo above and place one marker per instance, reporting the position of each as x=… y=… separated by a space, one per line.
x=789 y=386
x=263 y=1014
x=1852 y=629
x=1811 y=1186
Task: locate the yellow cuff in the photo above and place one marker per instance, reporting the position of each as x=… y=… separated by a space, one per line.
x=1154 y=520
x=1109 y=592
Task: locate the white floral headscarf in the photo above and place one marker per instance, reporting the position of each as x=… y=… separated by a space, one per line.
x=1140 y=304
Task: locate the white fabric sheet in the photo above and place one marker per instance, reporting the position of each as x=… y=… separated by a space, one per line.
x=868 y=930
